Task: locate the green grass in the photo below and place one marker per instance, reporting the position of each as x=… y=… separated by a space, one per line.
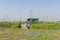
x=33 y=26
x=45 y=26
x=36 y=32
x=30 y=34
x=9 y=24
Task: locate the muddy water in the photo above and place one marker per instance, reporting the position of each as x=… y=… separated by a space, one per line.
x=4 y=31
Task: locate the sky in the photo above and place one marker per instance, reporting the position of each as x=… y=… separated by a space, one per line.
x=15 y=10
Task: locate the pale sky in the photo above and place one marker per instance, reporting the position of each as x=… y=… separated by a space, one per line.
x=21 y=9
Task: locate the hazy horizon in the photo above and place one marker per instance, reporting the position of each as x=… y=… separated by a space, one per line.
x=14 y=10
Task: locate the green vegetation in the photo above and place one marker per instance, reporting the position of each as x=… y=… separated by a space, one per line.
x=5 y=24
x=11 y=31
x=46 y=26
x=9 y=24
x=29 y=34
x=33 y=26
